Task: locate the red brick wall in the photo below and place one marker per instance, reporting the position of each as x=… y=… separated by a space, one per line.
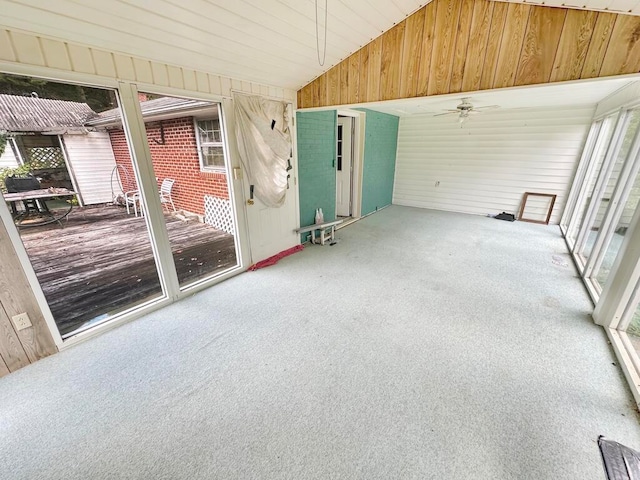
x=176 y=159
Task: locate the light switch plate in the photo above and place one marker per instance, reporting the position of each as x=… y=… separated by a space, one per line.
x=21 y=321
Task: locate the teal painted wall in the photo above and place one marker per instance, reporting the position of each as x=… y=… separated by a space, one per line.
x=380 y=145
x=316 y=162
x=316 y=133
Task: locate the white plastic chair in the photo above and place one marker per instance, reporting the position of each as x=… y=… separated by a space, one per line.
x=165 y=192
x=132 y=198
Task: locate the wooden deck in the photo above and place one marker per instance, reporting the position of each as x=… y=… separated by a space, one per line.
x=101 y=261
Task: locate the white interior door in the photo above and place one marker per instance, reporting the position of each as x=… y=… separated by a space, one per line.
x=344 y=167
x=271 y=230
x=268 y=230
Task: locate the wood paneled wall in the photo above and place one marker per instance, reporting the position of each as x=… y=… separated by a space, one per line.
x=19 y=348
x=452 y=46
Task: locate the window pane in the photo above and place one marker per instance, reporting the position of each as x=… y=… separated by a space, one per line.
x=634 y=326
x=209 y=131
x=579 y=179
x=633 y=330
x=598 y=157
x=196 y=206
x=620 y=231
x=612 y=182
x=213 y=156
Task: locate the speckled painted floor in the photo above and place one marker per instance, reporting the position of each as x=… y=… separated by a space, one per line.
x=423 y=345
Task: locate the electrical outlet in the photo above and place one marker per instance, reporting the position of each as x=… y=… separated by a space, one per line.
x=21 y=321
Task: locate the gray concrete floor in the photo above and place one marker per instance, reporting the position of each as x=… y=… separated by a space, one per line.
x=423 y=345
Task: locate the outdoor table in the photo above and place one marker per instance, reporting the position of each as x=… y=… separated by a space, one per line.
x=36 y=211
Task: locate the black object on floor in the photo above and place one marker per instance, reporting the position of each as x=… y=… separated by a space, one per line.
x=505 y=216
x=620 y=462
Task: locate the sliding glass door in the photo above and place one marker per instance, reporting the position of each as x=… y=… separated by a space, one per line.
x=187 y=143
x=121 y=199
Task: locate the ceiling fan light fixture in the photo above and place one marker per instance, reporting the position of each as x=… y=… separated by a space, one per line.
x=464 y=110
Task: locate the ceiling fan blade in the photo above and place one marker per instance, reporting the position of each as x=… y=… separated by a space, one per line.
x=488 y=107
x=446 y=113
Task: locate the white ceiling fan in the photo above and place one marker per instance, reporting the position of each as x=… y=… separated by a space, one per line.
x=465 y=109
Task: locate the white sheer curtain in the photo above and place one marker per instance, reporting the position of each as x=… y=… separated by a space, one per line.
x=264 y=144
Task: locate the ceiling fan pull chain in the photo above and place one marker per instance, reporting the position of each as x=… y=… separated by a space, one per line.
x=324 y=51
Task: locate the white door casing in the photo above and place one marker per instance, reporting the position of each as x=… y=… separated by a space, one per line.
x=344 y=167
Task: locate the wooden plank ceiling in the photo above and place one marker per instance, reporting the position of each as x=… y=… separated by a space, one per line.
x=452 y=46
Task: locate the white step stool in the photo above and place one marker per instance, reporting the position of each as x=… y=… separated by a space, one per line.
x=327 y=231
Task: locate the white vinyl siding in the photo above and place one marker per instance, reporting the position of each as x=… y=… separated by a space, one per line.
x=486 y=166
x=8 y=158
x=91 y=162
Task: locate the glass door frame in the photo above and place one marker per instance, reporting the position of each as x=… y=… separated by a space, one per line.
x=589 y=157
x=608 y=164
x=133 y=125
x=141 y=159
x=620 y=297
x=615 y=209
x=235 y=190
x=585 y=166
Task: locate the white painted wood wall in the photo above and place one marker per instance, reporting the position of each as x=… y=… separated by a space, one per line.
x=91 y=161
x=486 y=166
x=20 y=48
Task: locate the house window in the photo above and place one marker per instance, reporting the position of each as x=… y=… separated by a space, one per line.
x=210 y=146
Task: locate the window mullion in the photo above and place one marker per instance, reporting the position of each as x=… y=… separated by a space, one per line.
x=605 y=172
x=133 y=123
